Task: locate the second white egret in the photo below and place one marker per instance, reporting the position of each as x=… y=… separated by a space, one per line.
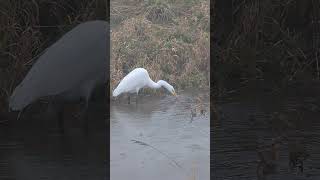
x=137 y=79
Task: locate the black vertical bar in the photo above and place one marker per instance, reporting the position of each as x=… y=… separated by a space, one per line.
x=107 y=90
x=315 y=33
x=212 y=20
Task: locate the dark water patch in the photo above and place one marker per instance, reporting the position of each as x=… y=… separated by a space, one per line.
x=32 y=148
x=265 y=133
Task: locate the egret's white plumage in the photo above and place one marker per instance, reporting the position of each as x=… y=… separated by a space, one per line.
x=72 y=66
x=137 y=79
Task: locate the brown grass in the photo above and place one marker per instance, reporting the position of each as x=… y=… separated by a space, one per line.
x=274 y=41
x=169 y=39
x=28 y=27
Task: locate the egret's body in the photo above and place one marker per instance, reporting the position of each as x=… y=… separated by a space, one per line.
x=70 y=68
x=137 y=79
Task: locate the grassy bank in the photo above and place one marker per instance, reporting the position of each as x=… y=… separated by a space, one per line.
x=29 y=27
x=274 y=41
x=168 y=38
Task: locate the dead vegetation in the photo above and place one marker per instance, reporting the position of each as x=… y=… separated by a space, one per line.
x=28 y=27
x=275 y=41
x=168 y=38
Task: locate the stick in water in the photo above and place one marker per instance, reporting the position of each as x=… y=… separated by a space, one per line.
x=145 y=144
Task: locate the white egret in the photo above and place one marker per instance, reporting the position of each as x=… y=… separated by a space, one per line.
x=137 y=79
x=69 y=69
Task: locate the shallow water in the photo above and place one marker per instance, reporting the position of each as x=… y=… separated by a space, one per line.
x=31 y=148
x=180 y=147
x=247 y=125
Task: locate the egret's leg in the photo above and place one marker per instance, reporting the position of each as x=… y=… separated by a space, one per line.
x=86 y=111
x=137 y=97
x=85 y=118
x=60 y=113
x=58 y=110
x=85 y=121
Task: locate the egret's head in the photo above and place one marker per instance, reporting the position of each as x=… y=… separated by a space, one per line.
x=167 y=86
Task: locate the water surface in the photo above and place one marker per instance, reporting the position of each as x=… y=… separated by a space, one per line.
x=252 y=121
x=31 y=148
x=180 y=147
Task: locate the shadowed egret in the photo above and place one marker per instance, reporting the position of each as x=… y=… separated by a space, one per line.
x=137 y=79
x=69 y=69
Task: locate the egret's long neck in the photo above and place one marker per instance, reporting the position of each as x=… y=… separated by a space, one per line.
x=153 y=85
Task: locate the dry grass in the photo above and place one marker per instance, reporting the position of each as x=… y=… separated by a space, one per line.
x=274 y=41
x=168 y=38
x=28 y=27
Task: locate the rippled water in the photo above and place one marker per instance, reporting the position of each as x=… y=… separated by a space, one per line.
x=31 y=149
x=179 y=147
x=156 y=139
x=249 y=124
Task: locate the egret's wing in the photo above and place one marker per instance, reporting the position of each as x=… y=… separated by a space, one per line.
x=135 y=79
x=79 y=55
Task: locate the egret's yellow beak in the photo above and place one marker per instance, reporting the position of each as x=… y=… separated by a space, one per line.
x=174 y=93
